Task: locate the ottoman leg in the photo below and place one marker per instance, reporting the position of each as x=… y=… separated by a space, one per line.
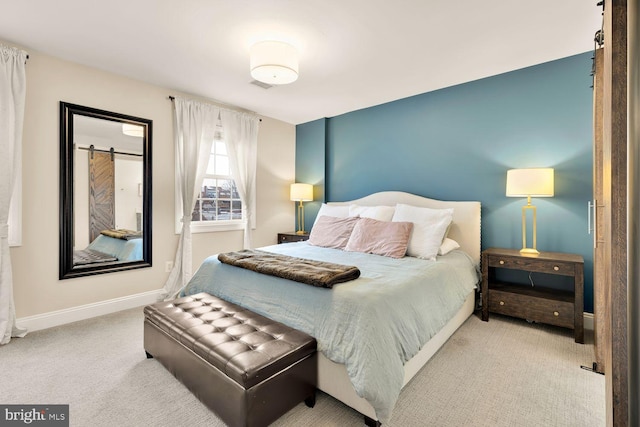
x=370 y=422
x=149 y=356
x=311 y=400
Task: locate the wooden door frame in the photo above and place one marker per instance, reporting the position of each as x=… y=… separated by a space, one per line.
x=615 y=195
x=633 y=303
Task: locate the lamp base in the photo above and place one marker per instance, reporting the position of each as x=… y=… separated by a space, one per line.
x=529 y=251
x=525 y=250
x=300 y=218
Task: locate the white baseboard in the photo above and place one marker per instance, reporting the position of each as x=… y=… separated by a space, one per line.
x=588 y=321
x=82 y=312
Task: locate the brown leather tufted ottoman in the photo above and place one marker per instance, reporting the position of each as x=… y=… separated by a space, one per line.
x=248 y=369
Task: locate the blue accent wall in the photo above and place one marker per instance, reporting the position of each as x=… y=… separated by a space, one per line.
x=310 y=165
x=457 y=143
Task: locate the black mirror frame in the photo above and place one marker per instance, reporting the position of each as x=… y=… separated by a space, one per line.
x=67 y=111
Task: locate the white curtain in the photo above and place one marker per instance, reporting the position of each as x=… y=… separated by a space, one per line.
x=194 y=127
x=194 y=131
x=241 y=135
x=13 y=84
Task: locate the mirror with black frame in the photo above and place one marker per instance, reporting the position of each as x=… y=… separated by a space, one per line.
x=105 y=191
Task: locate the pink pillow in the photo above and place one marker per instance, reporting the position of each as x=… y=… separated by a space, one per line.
x=331 y=231
x=380 y=237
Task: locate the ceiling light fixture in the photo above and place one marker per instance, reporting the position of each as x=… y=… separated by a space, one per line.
x=132 y=130
x=275 y=63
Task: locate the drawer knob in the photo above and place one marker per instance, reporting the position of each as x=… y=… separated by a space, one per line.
x=501 y=302
x=556 y=268
x=501 y=262
x=555 y=313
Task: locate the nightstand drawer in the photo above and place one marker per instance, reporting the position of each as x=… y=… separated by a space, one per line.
x=292 y=237
x=537 y=309
x=532 y=264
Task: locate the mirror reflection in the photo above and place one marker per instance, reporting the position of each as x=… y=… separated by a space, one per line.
x=105 y=170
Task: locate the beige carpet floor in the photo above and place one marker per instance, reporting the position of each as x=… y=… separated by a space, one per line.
x=505 y=372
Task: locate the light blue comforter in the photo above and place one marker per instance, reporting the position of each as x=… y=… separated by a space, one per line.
x=372 y=324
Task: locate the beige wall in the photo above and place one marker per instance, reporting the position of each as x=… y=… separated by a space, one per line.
x=37 y=289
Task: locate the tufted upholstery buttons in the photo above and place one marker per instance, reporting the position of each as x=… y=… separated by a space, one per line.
x=244 y=345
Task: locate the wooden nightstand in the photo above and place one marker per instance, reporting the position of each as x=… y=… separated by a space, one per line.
x=538 y=304
x=292 y=236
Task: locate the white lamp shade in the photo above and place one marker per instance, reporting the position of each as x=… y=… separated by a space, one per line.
x=534 y=182
x=274 y=63
x=132 y=130
x=301 y=192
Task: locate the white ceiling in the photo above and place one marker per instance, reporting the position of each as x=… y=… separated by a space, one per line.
x=353 y=53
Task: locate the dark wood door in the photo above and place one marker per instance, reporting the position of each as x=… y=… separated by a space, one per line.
x=101 y=193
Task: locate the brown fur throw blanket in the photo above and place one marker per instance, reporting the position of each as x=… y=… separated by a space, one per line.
x=122 y=233
x=315 y=273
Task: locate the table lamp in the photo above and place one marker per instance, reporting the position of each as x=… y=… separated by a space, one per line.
x=301 y=193
x=533 y=182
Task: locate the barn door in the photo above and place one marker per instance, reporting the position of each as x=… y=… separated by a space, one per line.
x=101 y=193
x=600 y=265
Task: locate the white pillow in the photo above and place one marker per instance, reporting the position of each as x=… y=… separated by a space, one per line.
x=429 y=228
x=338 y=211
x=381 y=213
x=447 y=246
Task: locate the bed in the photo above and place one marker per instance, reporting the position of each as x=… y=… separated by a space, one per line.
x=374 y=333
x=108 y=249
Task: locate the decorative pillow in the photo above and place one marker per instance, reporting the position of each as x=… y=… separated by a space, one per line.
x=380 y=237
x=339 y=211
x=381 y=213
x=429 y=227
x=332 y=232
x=447 y=246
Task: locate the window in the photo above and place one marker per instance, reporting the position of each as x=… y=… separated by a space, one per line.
x=218 y=205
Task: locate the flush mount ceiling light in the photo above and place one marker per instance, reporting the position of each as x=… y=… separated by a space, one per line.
x=275 y=63
x=132 y=130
